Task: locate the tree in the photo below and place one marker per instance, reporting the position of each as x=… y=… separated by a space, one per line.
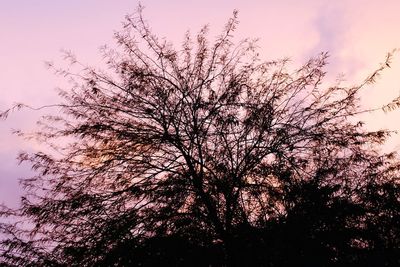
x=206 y=156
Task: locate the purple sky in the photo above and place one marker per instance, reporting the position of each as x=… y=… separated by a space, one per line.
x=356 y=33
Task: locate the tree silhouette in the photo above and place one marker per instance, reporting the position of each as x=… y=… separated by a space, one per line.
x=205 y=156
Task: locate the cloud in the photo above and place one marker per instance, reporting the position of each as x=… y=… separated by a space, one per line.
x=356 y=33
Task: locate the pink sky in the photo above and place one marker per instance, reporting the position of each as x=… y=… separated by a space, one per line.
x=356 y=33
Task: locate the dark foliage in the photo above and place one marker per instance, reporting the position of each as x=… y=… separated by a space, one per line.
x=206 y=156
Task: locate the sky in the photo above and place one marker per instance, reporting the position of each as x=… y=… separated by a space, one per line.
x=356 y=33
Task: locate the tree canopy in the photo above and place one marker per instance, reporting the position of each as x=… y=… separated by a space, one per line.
x=205 y=155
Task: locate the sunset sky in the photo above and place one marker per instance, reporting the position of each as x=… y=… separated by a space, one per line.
x=357 y=34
